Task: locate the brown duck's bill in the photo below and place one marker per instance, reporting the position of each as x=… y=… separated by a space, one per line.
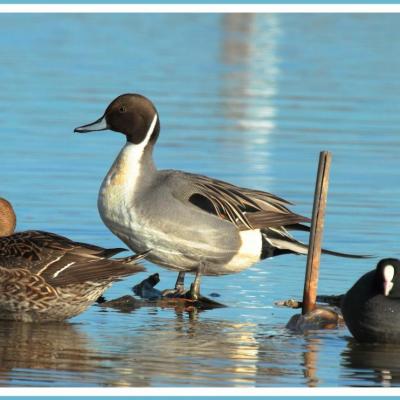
x=99 y=125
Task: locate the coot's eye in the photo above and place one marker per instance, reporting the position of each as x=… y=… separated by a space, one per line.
x=122 y=109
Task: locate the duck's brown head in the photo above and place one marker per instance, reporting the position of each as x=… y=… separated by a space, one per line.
x=8 y=220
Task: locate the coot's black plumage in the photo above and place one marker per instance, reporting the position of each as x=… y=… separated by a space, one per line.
x=371 y=308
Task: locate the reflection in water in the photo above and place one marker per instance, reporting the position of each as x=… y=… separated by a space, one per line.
x=249 y=50
x=310 y=361
x=173 y=351
x=380 y=363
x=187 y=349
x=194 y=349
x=178 y=348
x=299 y=358
x=36 y=348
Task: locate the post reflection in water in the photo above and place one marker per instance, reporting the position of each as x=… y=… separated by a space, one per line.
x=249 y=54
x=178 y=348
x=193 y=349
x=310 y=355
x=187 y=348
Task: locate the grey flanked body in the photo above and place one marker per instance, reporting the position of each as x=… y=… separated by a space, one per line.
x=180 y=235
x=188 y=222
x=47 y=277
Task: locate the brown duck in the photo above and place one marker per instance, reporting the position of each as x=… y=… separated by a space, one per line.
x=48 y=277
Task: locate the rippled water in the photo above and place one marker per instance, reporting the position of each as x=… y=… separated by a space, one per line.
x=247 y=98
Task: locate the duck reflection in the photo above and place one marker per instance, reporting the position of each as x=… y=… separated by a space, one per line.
x=56 y=354
x=193 y=349
x=381 y=362
x=53 y=346
x=167 y=348
x=189 y=350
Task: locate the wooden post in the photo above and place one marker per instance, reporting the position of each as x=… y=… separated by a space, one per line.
x=317 y=226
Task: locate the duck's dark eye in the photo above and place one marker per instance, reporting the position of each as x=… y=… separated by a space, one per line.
x=122 y=109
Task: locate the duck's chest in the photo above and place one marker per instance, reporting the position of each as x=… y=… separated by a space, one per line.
x=123 y=214
x=120 y=194
x=112 y=202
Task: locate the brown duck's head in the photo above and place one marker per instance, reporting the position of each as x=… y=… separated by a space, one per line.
x=8 y=220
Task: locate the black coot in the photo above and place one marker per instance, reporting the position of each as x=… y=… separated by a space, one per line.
x=371 y=308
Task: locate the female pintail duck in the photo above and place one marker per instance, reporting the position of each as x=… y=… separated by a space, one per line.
x=47 y=277
x=191 y=222
x=371 y=308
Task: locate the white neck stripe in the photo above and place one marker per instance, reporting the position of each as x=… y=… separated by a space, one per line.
x=149 y=132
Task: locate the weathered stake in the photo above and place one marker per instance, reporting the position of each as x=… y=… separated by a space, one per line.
x=317 y=226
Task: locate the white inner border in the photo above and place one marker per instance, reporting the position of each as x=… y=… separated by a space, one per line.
x=200 y=8
x=199 y=391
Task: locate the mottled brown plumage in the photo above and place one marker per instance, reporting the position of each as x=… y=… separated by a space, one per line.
x=48 y=277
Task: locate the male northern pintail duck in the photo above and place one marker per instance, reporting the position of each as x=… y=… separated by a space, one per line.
x=371 y=308
x=47 y=277
x=190 y=222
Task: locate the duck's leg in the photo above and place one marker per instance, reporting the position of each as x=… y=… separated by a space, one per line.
x=179 y=288
x=180 y=282
x=194 y=292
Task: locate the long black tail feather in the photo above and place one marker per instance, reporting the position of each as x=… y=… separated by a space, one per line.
x=346 y=255
x=275 y=243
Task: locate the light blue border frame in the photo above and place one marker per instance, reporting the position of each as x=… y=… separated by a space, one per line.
x=201 y=2
x=165 y=2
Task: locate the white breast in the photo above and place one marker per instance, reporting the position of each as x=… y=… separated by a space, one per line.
x=120 y=188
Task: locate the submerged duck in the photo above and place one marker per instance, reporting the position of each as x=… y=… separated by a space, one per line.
x=47 y=277
x=371 y=308
x=191 y=222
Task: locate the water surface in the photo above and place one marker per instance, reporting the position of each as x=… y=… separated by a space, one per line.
x=251 y=99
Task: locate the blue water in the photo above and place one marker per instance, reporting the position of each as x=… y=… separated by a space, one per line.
x=251 y=99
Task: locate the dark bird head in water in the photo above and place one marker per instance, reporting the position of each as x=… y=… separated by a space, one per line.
x=387 y=277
